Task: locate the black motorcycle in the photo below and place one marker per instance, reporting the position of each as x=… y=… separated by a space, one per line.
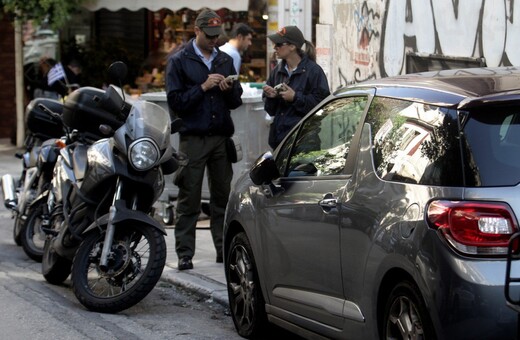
x=101 y=229
x=43 y=139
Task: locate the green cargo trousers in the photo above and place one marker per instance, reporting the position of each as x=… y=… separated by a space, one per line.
x=203 y=152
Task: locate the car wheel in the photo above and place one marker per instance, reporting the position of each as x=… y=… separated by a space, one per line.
x=245 y=294
x=406 y=316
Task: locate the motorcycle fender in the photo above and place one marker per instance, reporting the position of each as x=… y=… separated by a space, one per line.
x=41 y=197
x=48 y=152
x=123 y=215
x=30 y=158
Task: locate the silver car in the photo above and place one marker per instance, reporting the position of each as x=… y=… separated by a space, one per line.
x=385 y=213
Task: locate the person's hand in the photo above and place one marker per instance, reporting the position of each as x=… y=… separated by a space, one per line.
x=287 y=93
x=269 y=91
x=213 y=80
x=226 y=84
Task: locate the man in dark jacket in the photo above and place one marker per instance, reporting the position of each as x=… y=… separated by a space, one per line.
x=199 y=93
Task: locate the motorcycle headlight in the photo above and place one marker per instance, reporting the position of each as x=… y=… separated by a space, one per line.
x=143 y=154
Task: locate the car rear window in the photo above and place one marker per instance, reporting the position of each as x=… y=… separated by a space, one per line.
x=492 y=155
x=415 y=142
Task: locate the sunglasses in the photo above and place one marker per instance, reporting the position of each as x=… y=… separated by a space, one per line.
x=278 y=45
x=211 y=37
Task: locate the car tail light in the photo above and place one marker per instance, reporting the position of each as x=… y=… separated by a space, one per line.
x=479 y=228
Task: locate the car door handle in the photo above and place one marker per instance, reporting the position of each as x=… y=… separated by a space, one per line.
x=328 y=202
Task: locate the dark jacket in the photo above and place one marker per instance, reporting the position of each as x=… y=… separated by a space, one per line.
x=203 y=113
x=310 y=86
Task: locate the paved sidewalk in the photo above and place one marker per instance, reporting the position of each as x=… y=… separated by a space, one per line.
x=207 y=278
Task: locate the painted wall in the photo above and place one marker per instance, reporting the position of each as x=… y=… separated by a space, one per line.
x=370 y=38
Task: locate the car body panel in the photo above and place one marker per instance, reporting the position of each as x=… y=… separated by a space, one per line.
x=301 y=225
x=327 y=266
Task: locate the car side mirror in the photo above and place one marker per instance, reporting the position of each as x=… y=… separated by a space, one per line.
x=264 y=170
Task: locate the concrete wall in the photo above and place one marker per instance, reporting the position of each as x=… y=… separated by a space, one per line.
x=7 y=80
x=371 y=38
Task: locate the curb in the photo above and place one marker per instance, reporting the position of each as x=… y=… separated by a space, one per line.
x=197 y=284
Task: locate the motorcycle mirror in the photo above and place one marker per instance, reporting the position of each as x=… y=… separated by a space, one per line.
x=106 y=130
x=117 y=72
x=176 y=125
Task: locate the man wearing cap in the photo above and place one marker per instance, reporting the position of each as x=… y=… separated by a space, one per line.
x=199 y=94
x=295 y=86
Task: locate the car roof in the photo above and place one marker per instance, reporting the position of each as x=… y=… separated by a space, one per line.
x=462 y=88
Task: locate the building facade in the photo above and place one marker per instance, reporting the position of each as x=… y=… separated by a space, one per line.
x=364 y=39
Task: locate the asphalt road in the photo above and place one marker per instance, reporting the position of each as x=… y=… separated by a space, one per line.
x=31 y=308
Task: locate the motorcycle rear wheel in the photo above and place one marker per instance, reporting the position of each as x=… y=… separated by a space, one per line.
x=32 y=235
x=55 y=268
x=137 y=259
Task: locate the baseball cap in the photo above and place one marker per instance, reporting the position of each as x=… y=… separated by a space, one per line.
x=209 y=22
x=288 y=34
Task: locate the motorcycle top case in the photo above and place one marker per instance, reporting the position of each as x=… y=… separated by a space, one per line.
x=82 y=111
x=40 y=122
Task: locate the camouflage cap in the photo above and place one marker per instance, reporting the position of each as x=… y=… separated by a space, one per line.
x=288 y=34
x=210 y=22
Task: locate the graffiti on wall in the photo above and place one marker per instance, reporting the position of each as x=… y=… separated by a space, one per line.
x=460 y=28
x=387 y=30
x=359 y=47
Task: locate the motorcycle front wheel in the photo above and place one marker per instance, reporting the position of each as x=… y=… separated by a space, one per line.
x=32 y=235
x=135 y=264
x=55 y=268
x=18 y=224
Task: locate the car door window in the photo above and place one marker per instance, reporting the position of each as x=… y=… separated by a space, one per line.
x=321 y=145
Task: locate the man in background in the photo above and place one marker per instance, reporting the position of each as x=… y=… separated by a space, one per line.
x=240 y=39
x=58 y=80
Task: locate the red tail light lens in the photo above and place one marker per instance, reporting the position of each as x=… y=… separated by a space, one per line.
x=474 y=227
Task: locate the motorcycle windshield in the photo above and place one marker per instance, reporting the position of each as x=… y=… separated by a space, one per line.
x=147 y=119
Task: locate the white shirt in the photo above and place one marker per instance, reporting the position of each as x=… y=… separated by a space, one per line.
x=209 y=61
x=233 y=52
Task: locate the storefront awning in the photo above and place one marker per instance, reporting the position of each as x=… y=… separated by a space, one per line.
x=174 y=5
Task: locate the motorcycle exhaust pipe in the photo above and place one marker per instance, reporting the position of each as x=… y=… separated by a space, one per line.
x=9 y=191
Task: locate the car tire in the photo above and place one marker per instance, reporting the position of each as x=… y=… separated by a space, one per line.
x=406 y=316
x=246 y=301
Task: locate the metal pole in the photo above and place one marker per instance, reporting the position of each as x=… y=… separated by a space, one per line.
x=18 y=64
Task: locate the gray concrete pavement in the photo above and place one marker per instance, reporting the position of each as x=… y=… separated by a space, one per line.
x=207 y=278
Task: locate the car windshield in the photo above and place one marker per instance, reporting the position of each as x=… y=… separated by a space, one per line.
x=493 y=146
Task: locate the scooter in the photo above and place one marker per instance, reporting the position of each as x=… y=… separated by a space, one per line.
x=44 y=129
x=101 y=230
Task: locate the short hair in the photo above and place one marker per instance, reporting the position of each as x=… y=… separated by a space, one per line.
x=241 y=29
